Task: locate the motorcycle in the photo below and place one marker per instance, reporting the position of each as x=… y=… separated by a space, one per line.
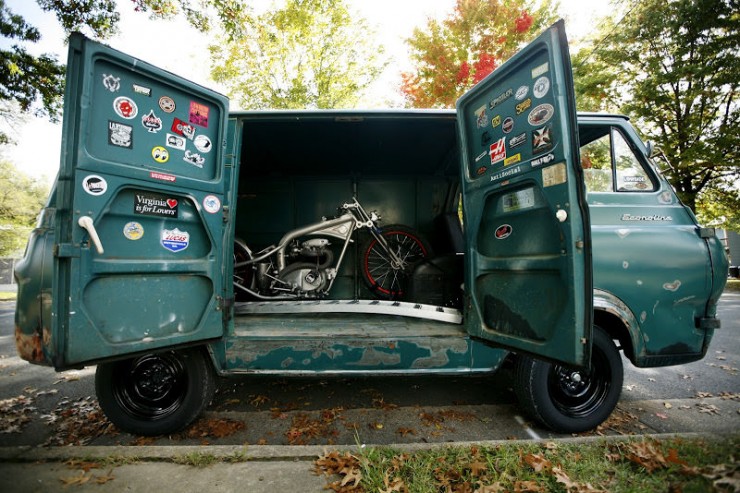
x=305 y=268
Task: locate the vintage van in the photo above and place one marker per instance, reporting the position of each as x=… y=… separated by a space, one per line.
x=181 y=243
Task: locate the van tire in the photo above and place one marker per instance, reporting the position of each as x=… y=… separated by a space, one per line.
x=550 y=395
x=381 y=278
x=156 y=393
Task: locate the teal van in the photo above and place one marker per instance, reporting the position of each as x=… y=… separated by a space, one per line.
x=182 y=242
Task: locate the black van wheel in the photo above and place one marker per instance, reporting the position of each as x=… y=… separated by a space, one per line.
x=386 y=280
x=157 y=393
x=569 y=400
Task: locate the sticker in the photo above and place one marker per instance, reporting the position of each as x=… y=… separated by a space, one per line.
x=202 y=143
x=541 y=114
x=523 y=106
x=182 y=128
x=554 y=175
x=537 y=71
x=541 y=86
x=144 y=91
x=505 y=173
x=503 y=231
x=175 y=141
x=508 y=125
x=496 y=121
x=133 y=231
x=481 y=170
x=542 y=139
x=167 y=104
x=155 y=175
x=148 y=204
x=546 y=159
x=211 y=204
x=125 y=107
x=198 y=114
x=193 y=158
x=120 y=135
x=501 y=98
x=513 y=159
x=523 y=199
x=481 y=119
x=518 y=140
x=151 y=122
x=160 y=154
x=480 y=156
x=498 y=150
x=175 y=240
x=113 y=84
x=521 y=93
x=94 y=185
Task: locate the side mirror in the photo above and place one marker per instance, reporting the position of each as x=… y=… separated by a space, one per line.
x=650 y=149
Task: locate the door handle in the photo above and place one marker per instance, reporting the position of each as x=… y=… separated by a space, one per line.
x=86 y=223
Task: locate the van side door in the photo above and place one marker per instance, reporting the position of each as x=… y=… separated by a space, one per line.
x=528 y=254
x=139 y=250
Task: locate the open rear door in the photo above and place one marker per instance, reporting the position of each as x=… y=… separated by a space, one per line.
x=141 y=209
x=528 y=255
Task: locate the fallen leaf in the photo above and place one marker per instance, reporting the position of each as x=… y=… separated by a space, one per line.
x=662 y=415
x=80 y=479
x=537 y=462
x=667 y=405
x=406 y=431
x=105 y=478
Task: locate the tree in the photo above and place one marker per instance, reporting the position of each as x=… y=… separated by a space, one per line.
x=21 y=199
x=306 y=54
x=673 y=66
x=35 y=84
x=452 y=55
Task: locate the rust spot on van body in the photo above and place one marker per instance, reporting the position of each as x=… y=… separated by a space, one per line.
x=30 y=347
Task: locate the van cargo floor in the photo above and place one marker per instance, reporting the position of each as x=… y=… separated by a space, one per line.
x=378 y=307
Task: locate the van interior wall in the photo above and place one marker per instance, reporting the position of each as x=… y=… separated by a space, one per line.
x=294 y=171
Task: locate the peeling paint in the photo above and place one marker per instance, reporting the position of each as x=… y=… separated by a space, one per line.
x=655 y=306
x=287 y=362
x=665 y=198
x=643 y=317
x=639 y=282
x=623 y=232
x=29 y=346
x=672 y=286
x=438 y=356
x=625 y=264
x=372 y=357
x=683 y=300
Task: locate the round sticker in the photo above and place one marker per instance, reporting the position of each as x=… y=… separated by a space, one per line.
x=508 y=125
x=133 y=231
x=541 y=114
x=503 y=231
x=94 y=185
x=160 y=154
x=202 y=143
x=211 y=204
x=167 y=104
x=541 y=86
x=125 y=107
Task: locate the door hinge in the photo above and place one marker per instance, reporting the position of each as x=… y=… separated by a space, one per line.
x=225 y=211
x=66 y=250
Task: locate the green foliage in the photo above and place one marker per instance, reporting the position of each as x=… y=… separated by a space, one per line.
x=307 y=54
x=719 y=205
x=35 y=84
x=452 y=55
x=673 y=66
x=21 y=200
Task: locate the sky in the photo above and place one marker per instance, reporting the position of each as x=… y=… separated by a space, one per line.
x=175 y=46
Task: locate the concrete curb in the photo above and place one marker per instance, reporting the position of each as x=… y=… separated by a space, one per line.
x=281 y=452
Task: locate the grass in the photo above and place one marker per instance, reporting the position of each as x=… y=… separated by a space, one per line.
x=733 y=286
x=7 y=295
x=637 y=465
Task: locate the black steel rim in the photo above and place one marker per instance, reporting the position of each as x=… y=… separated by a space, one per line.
x=151 y=387
x=578 y=393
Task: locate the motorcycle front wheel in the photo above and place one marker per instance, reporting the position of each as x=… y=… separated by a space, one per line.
x=385 y=278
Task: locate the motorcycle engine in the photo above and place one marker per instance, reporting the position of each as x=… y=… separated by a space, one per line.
x=309 y=274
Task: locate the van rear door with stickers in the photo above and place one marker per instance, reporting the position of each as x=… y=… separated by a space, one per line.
x=528 y=260
x=140 y=209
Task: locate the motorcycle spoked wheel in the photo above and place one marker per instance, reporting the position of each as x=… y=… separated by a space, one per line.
x=385 y=280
